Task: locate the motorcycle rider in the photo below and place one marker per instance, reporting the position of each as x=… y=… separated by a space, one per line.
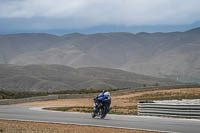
x=105 y=99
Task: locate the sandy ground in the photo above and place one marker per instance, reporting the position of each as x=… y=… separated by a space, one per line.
x=32 y=127
x=121 y=100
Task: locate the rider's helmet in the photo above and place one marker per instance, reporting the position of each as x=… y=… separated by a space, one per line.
x=107 y=93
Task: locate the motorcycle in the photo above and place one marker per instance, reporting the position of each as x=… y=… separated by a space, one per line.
x=99 y=109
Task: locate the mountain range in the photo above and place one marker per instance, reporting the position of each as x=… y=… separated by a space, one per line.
x=172 y=55
x=51 y=78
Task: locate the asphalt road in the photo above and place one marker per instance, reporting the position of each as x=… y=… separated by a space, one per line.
x=117 y=121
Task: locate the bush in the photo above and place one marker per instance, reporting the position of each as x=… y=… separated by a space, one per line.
x=84 y=91
x=15 y=95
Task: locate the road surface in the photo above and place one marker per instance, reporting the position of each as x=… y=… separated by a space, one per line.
x=25 y=113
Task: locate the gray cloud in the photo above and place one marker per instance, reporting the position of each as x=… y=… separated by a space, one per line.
x=85 y=13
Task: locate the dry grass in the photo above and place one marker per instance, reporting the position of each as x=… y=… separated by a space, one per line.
x=123 y=104
x=32 y=127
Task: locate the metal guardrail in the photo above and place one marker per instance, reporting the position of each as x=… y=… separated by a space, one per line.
x=169 y=110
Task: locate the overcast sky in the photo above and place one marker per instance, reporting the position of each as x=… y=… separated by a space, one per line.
x=76 y=14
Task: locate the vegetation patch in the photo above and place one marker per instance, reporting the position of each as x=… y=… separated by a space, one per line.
x=167 y=96
x=4 y=94
x=129 y=110
x=15 y=95
x=85 y=91
x=72 y=109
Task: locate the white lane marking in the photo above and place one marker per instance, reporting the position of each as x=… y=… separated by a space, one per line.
x=89 y=125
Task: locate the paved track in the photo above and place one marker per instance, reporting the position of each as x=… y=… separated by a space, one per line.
x=117 y=121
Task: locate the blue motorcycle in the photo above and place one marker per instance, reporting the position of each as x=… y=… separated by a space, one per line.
x=101 y=106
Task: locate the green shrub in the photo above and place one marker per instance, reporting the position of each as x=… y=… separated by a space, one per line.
x=15 y=95
x=84 y=91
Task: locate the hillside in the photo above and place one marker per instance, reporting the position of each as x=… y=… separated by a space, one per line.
x=173 y=55
x=58 y=77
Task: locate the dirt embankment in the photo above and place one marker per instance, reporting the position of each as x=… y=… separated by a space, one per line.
x=32 y=127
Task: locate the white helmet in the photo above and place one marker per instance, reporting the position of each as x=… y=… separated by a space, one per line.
x=107 y=93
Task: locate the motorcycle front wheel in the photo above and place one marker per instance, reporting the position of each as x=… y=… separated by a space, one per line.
x=102 y=113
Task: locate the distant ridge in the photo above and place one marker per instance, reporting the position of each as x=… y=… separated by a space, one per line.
x=196 y=30
x=50 y=78
x=172 y=55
